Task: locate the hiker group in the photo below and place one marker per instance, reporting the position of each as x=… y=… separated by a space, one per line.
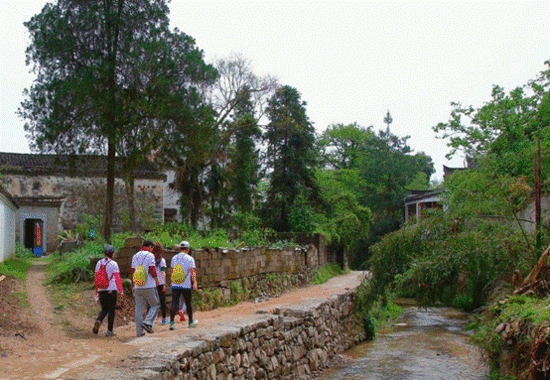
x=148 y=272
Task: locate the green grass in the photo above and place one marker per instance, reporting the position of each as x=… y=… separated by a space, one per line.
x=326 y=272
x=15 y=268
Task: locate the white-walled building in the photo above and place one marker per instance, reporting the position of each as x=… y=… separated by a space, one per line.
x=8 y=209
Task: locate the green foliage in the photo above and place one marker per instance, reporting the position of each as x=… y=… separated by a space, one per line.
x=15 y=268
x=70 y=268
x=74 y=267
x=377 y=311
x=441 y=259
x=372 y=173
x=88 y=223
x=529 y=312
x=22 y=252
x=239 y=290
x=114 y=77
x=484 y=192
x=325 y=273
x=291 y=155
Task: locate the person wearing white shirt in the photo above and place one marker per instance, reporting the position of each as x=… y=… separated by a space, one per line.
x=184 y=284
x=146 y=296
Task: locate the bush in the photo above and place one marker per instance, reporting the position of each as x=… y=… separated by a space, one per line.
x=22 y=252
x=441 y=259
x=377 y=311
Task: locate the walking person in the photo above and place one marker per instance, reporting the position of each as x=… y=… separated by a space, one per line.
x=160 y=265
x=108 y=285
x=145 y=280
x=184 y=281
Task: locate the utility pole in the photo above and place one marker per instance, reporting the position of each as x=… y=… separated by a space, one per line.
x=538 y=241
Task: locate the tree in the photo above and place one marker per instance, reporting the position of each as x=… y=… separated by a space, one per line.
x=380 y=166
x=237 y=88
x=108 y=72
x=290 y=156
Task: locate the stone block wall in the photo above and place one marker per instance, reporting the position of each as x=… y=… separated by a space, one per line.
x=217 y=269
x=294 y=343
x=217 y=266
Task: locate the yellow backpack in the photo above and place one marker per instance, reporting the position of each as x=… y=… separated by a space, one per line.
x=178 y=275
x=140 y=275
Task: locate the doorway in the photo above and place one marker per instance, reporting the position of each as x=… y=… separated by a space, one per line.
x=33 y=236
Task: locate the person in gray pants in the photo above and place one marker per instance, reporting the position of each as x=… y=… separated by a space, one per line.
x=145 y=281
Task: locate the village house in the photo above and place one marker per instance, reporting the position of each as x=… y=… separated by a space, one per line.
x=56 y=193
x=418 y=200
x=8 y=208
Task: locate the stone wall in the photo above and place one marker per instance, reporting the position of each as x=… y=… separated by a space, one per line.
x=292 y=343
x=85 y=195
x=219 y=268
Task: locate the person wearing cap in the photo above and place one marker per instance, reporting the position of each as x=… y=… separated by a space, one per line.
x=108 y=297
x=146 y=296
x=184 y=289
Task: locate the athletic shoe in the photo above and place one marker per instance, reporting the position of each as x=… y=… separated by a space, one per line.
x=110 y=333
x=182 y=315
x=172 y=325
x=140 y=335
x=96 y=327
x=193 y=323
x=164 y=321
x=147 y=328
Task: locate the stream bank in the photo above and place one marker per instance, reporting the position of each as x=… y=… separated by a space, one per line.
x=425 y=344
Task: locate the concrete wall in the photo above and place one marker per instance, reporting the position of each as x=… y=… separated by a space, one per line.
x=7 y=228
x=527 y=216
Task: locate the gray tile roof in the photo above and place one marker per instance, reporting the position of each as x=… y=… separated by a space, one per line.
x=72 y=165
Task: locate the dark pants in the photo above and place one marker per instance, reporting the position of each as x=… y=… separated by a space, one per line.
x=107 y=300
x=162 y=299
x=176 y=294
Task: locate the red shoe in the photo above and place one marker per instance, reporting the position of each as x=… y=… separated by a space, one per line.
x=182 y=315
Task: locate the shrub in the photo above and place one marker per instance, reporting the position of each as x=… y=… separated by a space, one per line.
x=441 y=259
x=22 y=252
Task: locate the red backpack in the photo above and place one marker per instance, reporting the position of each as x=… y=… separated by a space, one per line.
x=101 y=278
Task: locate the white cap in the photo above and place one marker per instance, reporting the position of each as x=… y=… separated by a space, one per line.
x=184 y=244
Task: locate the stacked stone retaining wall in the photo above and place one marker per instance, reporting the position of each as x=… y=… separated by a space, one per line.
x=255 y=271
x=292 y=343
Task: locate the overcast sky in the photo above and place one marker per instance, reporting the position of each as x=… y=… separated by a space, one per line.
x=351 y=61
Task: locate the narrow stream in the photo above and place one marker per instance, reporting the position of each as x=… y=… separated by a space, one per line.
x=426 y=344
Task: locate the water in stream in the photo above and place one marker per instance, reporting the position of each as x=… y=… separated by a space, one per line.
x=426 y=344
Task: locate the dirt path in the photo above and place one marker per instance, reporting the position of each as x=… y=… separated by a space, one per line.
x=51 y=354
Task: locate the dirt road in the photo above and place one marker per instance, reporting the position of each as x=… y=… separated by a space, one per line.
x=50 y=354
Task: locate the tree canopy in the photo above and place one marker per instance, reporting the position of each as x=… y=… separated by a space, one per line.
x=111 y=77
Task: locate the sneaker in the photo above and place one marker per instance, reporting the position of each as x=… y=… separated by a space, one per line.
x=182 y=315
x=140 y=335
x=110 y=333
x=147 y=328
x=193 y=323
x=172 y=325
x=164 y=321
x=96 y=327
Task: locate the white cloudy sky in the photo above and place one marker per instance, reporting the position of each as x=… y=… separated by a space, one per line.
x=351 y=61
